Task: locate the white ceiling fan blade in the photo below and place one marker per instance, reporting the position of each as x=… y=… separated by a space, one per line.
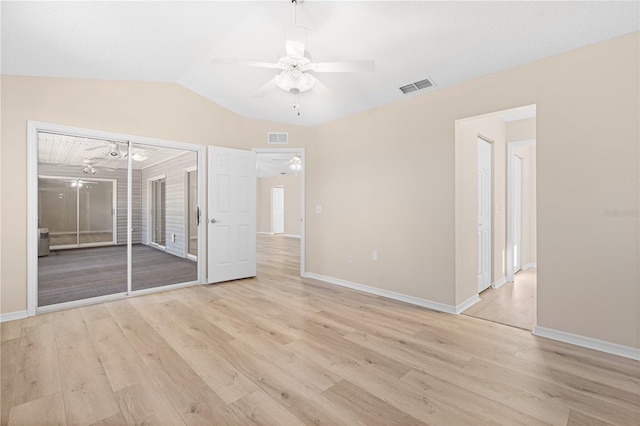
x=296 y=40
x=264 y=89
x=232 y=61
x=343 y=66
x=321 y=90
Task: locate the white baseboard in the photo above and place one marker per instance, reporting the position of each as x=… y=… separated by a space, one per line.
x=529 y=266
x=467 y=304
x=588 y=342
x=291 y=236
x=502 y=281
x=436 y=306
x=264 y=233
x=11 y=316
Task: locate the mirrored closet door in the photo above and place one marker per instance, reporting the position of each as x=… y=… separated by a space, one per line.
x=115 y=217
x=162 y=256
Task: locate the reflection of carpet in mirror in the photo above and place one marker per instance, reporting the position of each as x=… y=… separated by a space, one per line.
x=75 y=274
x=512 y=304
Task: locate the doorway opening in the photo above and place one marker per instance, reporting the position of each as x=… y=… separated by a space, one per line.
x=509 y=296
x=281 y=206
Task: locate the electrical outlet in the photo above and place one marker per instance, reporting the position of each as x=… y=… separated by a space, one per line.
x=173 y=238
x=350 y=259
x=374 y=255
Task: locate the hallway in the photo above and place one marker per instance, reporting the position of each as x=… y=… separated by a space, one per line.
x=512 y=304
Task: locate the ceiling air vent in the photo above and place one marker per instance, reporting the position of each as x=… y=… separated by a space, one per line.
x=418 y=85
x=278 y=138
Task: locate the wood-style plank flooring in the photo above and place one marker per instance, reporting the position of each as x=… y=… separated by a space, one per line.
x=512 y=304
x=280 y=350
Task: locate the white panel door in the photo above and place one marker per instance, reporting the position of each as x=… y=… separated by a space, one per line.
x=517 y=214
x=232 y=214
x=484 y=214
x=277 y=210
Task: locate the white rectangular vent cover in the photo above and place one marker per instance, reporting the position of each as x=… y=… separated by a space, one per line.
x=278 y=138
x=418 y=85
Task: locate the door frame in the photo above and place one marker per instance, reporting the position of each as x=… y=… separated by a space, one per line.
x=302 y=175
x=510 y=206
x=33 y=127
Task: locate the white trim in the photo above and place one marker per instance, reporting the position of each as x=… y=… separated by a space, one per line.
x=436 y=306
x=467 y=304
x=496 y=285
x=291 y=236
x=32 y=217
x=529 y=266
x=81 y=302
x=264 y=233
x=588 y=342
x=161 y=288
x=302 y=174
x=12 y=316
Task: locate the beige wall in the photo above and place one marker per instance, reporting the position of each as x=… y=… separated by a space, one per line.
x=292 y=203
x=386 y=178
x=392 y=189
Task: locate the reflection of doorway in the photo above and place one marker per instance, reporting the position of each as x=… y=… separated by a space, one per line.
x=277 y=210
x=157 y=211
x=193 y=213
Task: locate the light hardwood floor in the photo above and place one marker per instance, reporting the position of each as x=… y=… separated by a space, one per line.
x=284 y=351
x=512 y=304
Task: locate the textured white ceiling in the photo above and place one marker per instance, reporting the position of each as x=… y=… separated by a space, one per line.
x=449 y=42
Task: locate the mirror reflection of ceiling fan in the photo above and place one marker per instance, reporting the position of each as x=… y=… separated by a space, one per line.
x=117 y=151
x=294 y=76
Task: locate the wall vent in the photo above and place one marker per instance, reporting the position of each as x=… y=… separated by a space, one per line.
x=418 y=85
x=278 y=138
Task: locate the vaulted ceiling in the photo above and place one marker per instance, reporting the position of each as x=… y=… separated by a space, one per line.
x=447 y=42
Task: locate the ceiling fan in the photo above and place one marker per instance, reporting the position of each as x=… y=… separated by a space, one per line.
x=116 y=151
x=295 y=162
x=294 y=76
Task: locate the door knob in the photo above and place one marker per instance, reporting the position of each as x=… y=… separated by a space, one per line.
x=215 y=220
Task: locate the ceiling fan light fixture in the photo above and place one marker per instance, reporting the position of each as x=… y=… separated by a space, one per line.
x=296 y=164
x=294 y=81
x=136 y=156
